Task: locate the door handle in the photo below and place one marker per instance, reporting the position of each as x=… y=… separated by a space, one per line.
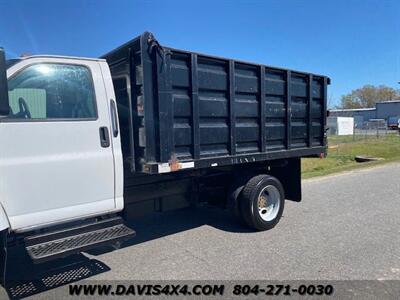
x=104 y=137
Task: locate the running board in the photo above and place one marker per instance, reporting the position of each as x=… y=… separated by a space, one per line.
x=44 y=247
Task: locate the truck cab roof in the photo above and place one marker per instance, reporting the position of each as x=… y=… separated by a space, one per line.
x=11 y=62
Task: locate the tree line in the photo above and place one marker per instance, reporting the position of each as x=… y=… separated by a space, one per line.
x=368 y=95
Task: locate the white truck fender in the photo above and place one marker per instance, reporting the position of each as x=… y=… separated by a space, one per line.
x=4 y=223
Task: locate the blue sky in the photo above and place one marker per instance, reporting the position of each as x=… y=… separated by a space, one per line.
x=355 y=42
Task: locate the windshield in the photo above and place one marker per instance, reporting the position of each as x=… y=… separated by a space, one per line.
x=11 y=62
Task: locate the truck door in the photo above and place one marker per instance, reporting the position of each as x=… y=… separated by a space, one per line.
x=56 y=154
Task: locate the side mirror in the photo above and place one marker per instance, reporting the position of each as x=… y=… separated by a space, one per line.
x=4 y=104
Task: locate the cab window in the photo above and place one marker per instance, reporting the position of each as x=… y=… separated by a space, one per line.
x=52 y=91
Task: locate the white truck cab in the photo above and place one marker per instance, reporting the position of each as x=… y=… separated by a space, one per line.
x=59 y=153
x=60 y=159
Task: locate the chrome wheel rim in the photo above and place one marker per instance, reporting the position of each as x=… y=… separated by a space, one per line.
x=268 y=203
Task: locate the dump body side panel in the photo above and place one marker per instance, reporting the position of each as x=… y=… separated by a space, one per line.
x=196 y=111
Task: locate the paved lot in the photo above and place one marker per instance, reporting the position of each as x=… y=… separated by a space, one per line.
x=347 y=227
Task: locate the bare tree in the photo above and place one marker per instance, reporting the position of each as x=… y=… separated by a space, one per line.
x=368 y=96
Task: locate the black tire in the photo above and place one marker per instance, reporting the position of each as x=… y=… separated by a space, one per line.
x=248 y=202
x=233 y=196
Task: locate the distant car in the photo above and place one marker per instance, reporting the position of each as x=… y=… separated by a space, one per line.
x=393 y=123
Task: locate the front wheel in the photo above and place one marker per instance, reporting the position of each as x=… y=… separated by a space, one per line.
x=262 y=201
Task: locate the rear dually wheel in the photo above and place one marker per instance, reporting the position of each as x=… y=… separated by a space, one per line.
x=261 y=202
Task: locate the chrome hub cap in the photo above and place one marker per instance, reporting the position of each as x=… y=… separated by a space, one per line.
x=269 y=203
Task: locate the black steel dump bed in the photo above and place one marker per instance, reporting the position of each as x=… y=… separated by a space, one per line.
x=181 y=110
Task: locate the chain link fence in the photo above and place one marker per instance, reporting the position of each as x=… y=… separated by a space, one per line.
x=372 y=129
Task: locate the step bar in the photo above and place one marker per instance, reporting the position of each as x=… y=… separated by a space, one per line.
x=61 y=243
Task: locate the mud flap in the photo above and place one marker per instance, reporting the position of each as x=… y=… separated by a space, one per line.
x=289 y=174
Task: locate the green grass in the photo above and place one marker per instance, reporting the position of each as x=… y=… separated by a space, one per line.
x=341 y=157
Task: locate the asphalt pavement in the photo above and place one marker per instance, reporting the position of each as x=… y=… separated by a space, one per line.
x=346 y=227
